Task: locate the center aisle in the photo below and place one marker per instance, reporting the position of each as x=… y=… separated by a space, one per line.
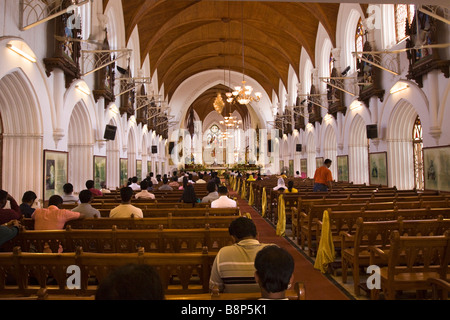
x=318 y=286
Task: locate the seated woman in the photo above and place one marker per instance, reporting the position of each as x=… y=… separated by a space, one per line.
x=188 y=195
x=291 y=188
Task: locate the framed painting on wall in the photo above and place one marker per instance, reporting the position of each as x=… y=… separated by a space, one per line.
x=99 y=170
x=319 y=162
x=342 y=166
x=436 y=168
x=139 y=169
x=378 y=168
x=304 y=168
x=281 y=166
x=55 y=172
x=149 y=167
x=291 y=168
x=123 y=172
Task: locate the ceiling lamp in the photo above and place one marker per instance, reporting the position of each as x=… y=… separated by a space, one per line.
x=219 y=104
x=243 y=94
x=231 y=122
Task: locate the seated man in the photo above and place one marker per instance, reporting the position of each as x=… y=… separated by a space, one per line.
x=53 y=217
x=85 y=206
x=125 y=209
x=28 y=200
x=103 y=188
x=174 y=182
x=144 y=194
x=7 y=215
x=223 y=201
x=165 y=186
x=274 y=272
x=90 y=186
x=134 y=185
x=200 y=179
x=233 y=268
x=290 y=188
x=212 y=193
x=68 y=196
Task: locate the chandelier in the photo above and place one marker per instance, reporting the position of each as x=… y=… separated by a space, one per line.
x=219 y=104
x=243 y=94
x=231 y=122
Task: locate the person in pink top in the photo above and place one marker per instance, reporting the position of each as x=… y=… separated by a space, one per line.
x=53 y=218
x=90 y=186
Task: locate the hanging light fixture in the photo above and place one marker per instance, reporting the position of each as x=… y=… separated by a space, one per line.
x=243 y=94
x=219 y=104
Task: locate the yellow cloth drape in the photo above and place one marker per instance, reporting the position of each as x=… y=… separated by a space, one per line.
x=281 y=224
x=238 y=186
x=233 y=183
x=244 y=190
x=251 y=197
x=263 y=202
x=325 y=253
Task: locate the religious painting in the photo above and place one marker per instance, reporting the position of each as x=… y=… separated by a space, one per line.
x=156 y=168
x=378 y=168
x=55 y=172
x=99 y=171
x=291 y=168
x=123 y=172
x=149 y=167
x=437 y=168
x=281 y=166
x=342 y=166
x=319 y=162
x=139 y=169
x=304 y=168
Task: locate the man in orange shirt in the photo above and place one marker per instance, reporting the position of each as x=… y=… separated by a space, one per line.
x=53 y=217
x=322 y=177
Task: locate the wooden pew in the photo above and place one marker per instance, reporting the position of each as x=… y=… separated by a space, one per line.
x=181 y=273
x=410 y=262
x=182 y=212
x=355 y=252
x=121 y=241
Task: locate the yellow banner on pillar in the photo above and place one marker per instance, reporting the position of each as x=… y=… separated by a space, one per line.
x=244 y=190
x=281 y=224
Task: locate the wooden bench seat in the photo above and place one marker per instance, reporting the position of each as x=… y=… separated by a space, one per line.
x=182 y=212
x=410 y=262
x=181 y=273
x=121 y=241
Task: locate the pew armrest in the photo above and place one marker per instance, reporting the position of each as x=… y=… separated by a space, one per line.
x=377 y=252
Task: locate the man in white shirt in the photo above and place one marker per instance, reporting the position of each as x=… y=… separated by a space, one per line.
x=200 y=178
x=125 y=209
x=134 y=184
x=153 y=179
x=223 y=201
x=144 y=194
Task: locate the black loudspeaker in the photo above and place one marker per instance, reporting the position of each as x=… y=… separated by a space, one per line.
x=171 y=146
x=154 y=149
x=372 y=131
x=269 y=145
x=298 y=148
x=110 y=132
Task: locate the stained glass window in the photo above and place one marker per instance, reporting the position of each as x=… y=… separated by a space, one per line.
x=404 y=13
x=418 y=154
x=359 y=37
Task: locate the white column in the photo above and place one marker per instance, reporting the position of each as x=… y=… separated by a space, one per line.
x=358 y=164
x=112 y=168
x=81 y=165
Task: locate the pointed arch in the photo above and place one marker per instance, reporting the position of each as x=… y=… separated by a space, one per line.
x=358 y=156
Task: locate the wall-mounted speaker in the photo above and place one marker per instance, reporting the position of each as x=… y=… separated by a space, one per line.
x=269 y=145
x=298 y=148
x=110 y=132
x=154 y=149
x=372 y=131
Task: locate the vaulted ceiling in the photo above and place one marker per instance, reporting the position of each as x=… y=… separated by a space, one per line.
x=186 y=37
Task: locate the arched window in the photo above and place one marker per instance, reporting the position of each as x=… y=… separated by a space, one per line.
x=404 y=13
x=359 y=36
x=418 y=154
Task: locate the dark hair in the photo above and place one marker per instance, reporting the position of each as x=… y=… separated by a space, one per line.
x=55 y=200
x=3 y=195
x=290 y=185
x=126 y=193
x=189 y=195
x=131 y=282
x=174 y=178
x=242 y=227
x=149 y=184
x=68 y=188
x=185 y=182
x=211 y=186
x=151 y=174
x=144 y=185
x=29 y=196
x=85 y=196
x=327 y=161
x=134 y=179
x=222 y=190
x=274 y=266
x=158 y=177
x=200 y=175
x=165 y=180
x=90 y=184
